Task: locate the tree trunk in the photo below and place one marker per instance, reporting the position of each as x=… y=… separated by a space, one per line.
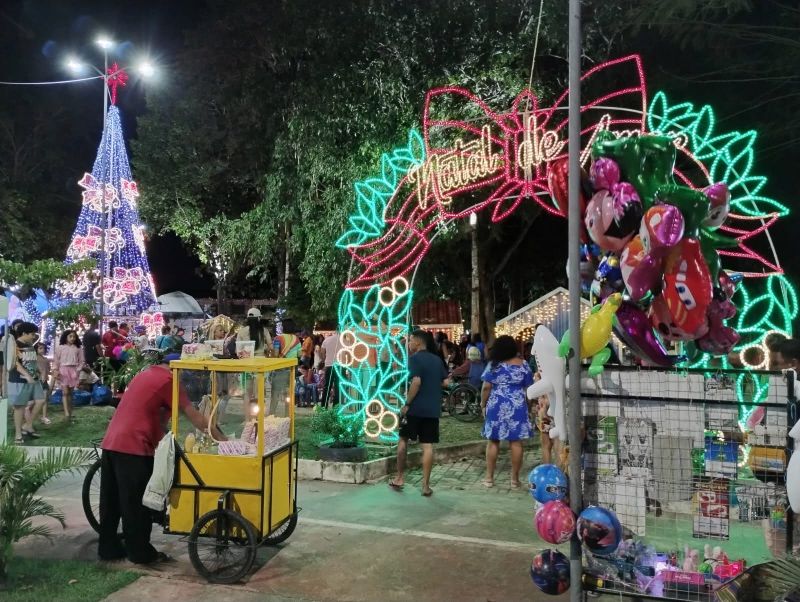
x=220 y=296
x=286 y=268
x=487 y=305
x=475 y=305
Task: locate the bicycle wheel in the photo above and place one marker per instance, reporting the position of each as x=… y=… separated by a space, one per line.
x=282 y=533
x=222 y=546
x=463 y=403
x=90 y=495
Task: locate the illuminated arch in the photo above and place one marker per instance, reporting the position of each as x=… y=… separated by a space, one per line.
x=506 y=157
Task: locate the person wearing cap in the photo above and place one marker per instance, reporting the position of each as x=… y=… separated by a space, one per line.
x=133 y=434
x=472 y=368
x=253 y=330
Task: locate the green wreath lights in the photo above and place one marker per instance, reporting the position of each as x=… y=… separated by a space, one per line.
x=372 y=360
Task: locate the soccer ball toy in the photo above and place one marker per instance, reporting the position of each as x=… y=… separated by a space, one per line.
x=550 y=572
x=555 y=522
x=599 y=530
x=547 y=483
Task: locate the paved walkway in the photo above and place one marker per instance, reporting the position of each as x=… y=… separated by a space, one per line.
x=467 y=474
x=355 y=543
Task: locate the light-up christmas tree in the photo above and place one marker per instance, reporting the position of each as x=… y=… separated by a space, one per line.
x=109 y=218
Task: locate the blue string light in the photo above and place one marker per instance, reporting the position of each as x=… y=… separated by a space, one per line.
x=128 y=284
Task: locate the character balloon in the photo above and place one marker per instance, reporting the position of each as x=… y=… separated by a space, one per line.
x=552 y=383
x=595 y=333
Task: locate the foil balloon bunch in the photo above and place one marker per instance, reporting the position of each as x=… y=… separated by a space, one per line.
x=656 y=241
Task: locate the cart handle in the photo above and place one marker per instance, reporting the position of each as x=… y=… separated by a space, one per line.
x=182 y=455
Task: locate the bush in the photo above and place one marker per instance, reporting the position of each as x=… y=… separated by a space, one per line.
x=20 y=478
x=329 y=426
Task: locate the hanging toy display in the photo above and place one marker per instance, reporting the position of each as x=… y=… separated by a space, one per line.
x=547 y=483
x=555 y=522
x=599 y=530
x=550 y=572
x=656 y=241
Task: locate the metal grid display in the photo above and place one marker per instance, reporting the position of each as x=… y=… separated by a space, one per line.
x=696 y=480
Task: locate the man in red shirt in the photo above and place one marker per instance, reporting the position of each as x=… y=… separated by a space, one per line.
x=127 y=462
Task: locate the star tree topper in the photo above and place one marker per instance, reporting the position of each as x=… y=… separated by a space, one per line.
x=116 y=77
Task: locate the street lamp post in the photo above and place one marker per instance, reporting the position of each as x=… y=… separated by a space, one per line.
x=105 y=44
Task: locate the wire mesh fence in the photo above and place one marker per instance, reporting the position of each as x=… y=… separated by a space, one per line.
x=693 y=464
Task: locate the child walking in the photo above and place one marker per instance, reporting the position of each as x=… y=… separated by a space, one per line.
x=67 y=361
x=44 y=375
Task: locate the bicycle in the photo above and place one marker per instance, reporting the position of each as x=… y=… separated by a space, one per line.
x=463 y=401
x=90 y=493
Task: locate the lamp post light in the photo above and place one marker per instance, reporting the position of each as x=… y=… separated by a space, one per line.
x=112 y=77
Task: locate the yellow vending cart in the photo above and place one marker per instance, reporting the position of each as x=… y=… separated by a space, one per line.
x=229 y=497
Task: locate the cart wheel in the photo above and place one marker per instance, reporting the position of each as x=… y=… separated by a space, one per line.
x=222 y=546
x=282 y=533
x=91 y=496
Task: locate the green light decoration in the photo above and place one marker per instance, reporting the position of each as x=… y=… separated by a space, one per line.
x=372 y=361
x=731 y=157
x=731 y=154
x=373 y=194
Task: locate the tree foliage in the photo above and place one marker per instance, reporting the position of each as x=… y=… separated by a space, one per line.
x=278 y=108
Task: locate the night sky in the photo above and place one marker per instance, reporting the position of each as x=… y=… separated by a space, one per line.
x=35 y=36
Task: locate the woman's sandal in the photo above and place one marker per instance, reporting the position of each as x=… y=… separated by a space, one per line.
x=488 y=483
x=31 y=434
x=516 y=484
x=396 y=486
x=427 y=493
x=19 y=441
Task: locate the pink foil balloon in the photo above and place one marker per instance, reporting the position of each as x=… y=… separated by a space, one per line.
x=604 y=173
x=719 y=200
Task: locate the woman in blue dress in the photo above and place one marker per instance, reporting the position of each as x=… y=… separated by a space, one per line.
x=505 y=406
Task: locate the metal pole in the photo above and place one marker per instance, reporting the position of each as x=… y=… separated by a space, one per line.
x=575 y=409
x=103 y=203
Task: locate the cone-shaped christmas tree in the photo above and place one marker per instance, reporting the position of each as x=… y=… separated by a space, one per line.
x=109 y=203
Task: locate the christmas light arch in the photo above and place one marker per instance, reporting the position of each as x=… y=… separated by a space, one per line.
x=505 y=158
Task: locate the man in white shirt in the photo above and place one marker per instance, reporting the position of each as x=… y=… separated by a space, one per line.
x=330 y=347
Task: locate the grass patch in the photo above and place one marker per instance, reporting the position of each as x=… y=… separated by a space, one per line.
x=91 y=423
x=36 y=579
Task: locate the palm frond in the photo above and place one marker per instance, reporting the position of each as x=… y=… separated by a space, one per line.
x=777 y=577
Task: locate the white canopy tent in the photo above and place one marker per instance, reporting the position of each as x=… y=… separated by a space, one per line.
x=179 y=305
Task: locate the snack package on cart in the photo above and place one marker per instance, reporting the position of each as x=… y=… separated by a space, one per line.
x=276 y=432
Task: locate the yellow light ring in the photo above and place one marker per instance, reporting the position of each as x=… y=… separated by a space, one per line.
x=360 y=351
x=387 y=296
x=374 y=409
x=347 y=334
x=372 y=427
x=402 y=289
x=395 y=421
x=344 y=357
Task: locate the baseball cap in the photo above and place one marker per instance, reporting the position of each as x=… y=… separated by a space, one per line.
x=253 y=312
x=474 y=354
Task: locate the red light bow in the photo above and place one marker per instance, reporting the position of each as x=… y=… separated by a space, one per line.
x=508 y=154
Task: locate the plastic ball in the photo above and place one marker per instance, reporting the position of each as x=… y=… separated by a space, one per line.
x=555 y=522
x=550 y=572
x=547 y=483
x=599 y=530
